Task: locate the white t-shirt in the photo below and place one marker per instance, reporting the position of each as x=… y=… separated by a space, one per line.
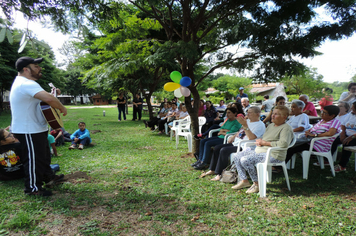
x=27 y=117
x=258 y=128
x=350 y=124
x=301 y=120
x=342 y=118
x=268 y=105
x=183 y=114
x=344 y=95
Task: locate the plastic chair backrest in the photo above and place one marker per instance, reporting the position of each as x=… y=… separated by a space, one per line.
x=321 y=138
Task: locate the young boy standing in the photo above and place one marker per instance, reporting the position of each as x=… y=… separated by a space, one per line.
x=81 y=137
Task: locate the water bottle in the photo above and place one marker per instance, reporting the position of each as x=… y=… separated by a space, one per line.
x=104 y=113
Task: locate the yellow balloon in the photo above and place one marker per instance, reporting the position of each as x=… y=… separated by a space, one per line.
x=170 y=86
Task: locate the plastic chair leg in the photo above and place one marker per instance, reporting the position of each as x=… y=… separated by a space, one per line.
x=190 y=143
x=330 y=159
x=177 y=140
x=166 y=128
x=321 y=162
x=269 y=174
x=286 y=176
x=262 y=175
x=294 y=157
x=306 y=158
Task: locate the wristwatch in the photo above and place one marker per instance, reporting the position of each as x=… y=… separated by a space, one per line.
x=246 y=128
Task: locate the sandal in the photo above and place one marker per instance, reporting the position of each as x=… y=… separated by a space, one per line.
x=210 y=172
x=216 y=178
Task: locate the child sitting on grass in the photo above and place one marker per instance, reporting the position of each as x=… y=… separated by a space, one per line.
x=52 y=146
x=81 y=137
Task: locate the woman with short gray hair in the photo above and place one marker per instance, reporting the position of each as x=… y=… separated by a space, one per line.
x=299 y=121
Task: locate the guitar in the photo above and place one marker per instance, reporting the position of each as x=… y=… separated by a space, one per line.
x=52 y=115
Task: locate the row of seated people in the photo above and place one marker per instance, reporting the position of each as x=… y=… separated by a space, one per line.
x=278 y=133
x=171 y=112
x=167 y=114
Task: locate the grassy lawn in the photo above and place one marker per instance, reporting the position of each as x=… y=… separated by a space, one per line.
x=140 y=184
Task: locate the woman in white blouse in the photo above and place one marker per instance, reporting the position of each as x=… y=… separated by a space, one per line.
x=344 y=111
x=299 y=120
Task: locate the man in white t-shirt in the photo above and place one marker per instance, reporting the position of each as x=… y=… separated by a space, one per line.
x=29 y=125
x=252 y=128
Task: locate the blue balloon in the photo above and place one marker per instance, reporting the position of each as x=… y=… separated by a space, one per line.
x=185 y=81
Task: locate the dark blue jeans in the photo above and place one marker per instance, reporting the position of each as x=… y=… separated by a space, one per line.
x=206 y=145
x=84 y=141
x=121 y=109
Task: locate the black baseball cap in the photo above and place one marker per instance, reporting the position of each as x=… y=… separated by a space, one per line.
x=25 y=61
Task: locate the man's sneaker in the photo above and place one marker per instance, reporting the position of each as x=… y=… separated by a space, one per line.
x=81 y=147
x=72 y=147
x=42 y=193
x=339 y=168
x=56 y=179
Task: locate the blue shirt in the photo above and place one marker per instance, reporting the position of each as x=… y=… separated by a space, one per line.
x=244 y=95
x=81 y=134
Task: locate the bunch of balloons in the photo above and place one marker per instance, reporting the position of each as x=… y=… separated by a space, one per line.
x=179 y=84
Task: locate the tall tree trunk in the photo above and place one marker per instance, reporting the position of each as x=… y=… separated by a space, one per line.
x=193 y=112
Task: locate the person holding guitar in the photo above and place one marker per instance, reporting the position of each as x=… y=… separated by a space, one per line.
x=29 y=126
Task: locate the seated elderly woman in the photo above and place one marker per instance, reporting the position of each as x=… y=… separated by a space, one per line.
x=327 y=127
x=299 y=120
x=168 y=118
x=210 y=114
x=280 y=101
x=230 y=126
x=346 y=138
x=240 y=110
x=162 y=113
x=182 y=114
x=10 y=166
x=278 y=134
x=252 y=128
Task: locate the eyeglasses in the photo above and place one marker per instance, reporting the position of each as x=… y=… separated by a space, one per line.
x=9 y=135
x=325 y=113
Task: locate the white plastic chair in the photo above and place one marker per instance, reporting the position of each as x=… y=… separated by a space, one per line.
x=264 y=169
x=184 y=130
x=217 y=130
x=176 y=123
x=202 y=121
x=320 y=155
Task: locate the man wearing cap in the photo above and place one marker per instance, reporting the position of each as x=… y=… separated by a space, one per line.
x=241 y=95
x=29 y=125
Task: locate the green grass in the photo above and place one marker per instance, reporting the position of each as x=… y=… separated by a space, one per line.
x=140 y=185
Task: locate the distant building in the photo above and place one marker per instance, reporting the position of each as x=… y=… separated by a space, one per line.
x=99 y=100
x=272 y=89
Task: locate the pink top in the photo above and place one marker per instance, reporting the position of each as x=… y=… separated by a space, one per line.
x=324 y=145
x=326 y=101
x=310 y=106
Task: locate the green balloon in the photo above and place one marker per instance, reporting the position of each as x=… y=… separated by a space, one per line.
x=176 y=76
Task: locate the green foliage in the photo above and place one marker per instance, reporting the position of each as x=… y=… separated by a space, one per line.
x=229 y=85
x=293 y=97
x=309 y=83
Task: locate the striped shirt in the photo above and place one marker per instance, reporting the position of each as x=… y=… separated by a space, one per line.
x=324 y=144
